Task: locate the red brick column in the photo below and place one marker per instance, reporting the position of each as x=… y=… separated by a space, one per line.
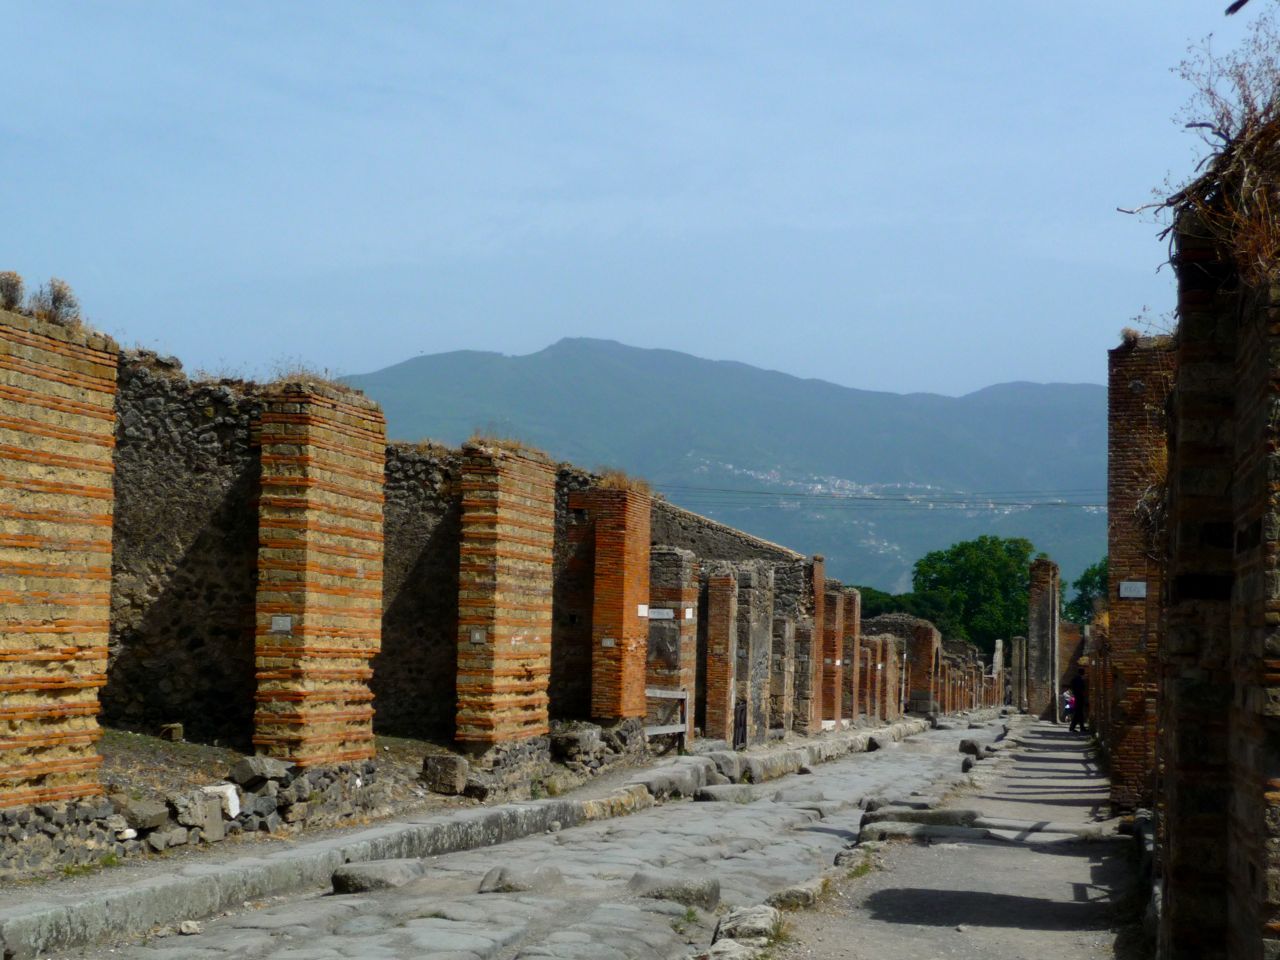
x=1138 y=383
x=619 y=611
x=722 y=654
x=923 y=660
x=57 y=419
x=850 y=655
x=832 y=652
x=818 y=590
x=319 y=600
x=892 y=687
x=504 y=594
x=673 y=631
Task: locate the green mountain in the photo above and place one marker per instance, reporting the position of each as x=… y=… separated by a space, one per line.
x=871 y=480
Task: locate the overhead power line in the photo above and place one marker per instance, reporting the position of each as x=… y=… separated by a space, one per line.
x=1077 y=498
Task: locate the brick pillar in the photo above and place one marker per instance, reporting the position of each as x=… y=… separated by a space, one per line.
x=1138 y=383
x=57 y=418
x=832 y=652
x=721 y=605
x=782 y=674
x=319 y=598
x=995 y=693
x=818 y=590
x=504 y=595
x=850 y=656
x=673 y=631
x=808 y=699
x=1042 y=641
x=877 y=648
x=1018 y=668
x=893 y=665
x=923 y=661
x=620 y=610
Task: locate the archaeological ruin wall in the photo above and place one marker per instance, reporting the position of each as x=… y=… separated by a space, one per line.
x=1042 y=647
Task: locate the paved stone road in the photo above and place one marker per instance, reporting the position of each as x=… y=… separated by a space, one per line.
x=786 y=836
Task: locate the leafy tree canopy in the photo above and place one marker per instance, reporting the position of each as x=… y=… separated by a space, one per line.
x=1089 y=586
x=975 y=590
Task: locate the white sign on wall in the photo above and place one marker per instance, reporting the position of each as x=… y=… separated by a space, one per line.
x=1133 y=589
x=642 y=610
x=662 y=613
x=281 y=624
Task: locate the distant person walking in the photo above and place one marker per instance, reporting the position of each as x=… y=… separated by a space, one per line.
x=1079 y=693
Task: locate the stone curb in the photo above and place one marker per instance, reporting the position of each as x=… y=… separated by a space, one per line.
x=197 y=891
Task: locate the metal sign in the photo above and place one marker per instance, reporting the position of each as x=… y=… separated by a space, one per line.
x=281 y=624
x=1133 y=589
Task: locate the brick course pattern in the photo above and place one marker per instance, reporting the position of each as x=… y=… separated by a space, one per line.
x=504 y=595
x=832 y=651
x=57 y=390
x=721 y=615
x=1138 y=384
x=619 y=611
x=755 y=646
x=319 y=599
x=782 y=674
x=1042 y=640
x=673 y=641
x=924 y=652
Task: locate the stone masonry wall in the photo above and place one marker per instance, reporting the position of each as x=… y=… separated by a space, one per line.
x=415 y=673
x=1042 y=640
x=184 y=566
x=755 y=646
x=573 y=576
x=1138 y=383
x=57 y=391
x=319 y=606
x=782 y=674
x=709 y=540
x=504 y=595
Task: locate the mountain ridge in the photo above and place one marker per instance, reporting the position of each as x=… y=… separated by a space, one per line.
x=702 y=427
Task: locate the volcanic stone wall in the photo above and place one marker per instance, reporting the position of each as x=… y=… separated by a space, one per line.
x=1042 y=640
x=414 y=674
x=1018 y=669
x=709 y=540
x=184 y=565
x=573 y=574
x=320 y=547
x=782 y=674
x=832 y=650
x=1139 y=379
x=57 y=389
x=504 y=595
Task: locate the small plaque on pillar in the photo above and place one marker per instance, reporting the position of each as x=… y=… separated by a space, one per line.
x=608 y=642
x=642 y=610
x=688 y=613
x=662 y=613
x=1133 y=589
x=477 y=634
x=281 y=623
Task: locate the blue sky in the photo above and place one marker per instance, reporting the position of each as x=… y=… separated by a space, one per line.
x=898 y=196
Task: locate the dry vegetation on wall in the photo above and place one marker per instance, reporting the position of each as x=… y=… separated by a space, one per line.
x=1235 y=198
x=493 y=441
x=612 y=479
x=54 y=301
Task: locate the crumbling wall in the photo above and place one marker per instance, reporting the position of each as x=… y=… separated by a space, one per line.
x=718 y=649
x=184 y=562
x=710 y=540
x=1043 y=620
x=673 y=632
x=573 y=586
x=755 y=645
x=414 y=675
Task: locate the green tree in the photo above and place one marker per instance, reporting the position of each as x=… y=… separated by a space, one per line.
x=975 y=590
x=1089 y=586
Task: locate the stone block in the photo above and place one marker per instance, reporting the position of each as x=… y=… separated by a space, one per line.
x=445 y=773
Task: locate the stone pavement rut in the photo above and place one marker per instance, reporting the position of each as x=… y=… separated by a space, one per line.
x=1026 y=894
x=645 y=886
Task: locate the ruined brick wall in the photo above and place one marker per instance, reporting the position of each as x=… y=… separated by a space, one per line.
x=504 y=595
x=319 y=601
x=851 y=658
x=573 y=592
x=832 y=651
x=414 y=673
x=185 y=553
x=673 y=639
x=718 y=627
x=57 y=390
x=709 y=540
x=1201 y=912
x=893 y=704
x=1018 y=673
x=1042 y=640
x=798 y=589
x=755 y=645
x=923 y=645
x=1138 y=384
x=619 y=612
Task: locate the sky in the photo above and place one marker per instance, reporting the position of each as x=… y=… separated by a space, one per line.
x=905 y=196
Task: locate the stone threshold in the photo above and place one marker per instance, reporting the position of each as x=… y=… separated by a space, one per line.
x=197 y=891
